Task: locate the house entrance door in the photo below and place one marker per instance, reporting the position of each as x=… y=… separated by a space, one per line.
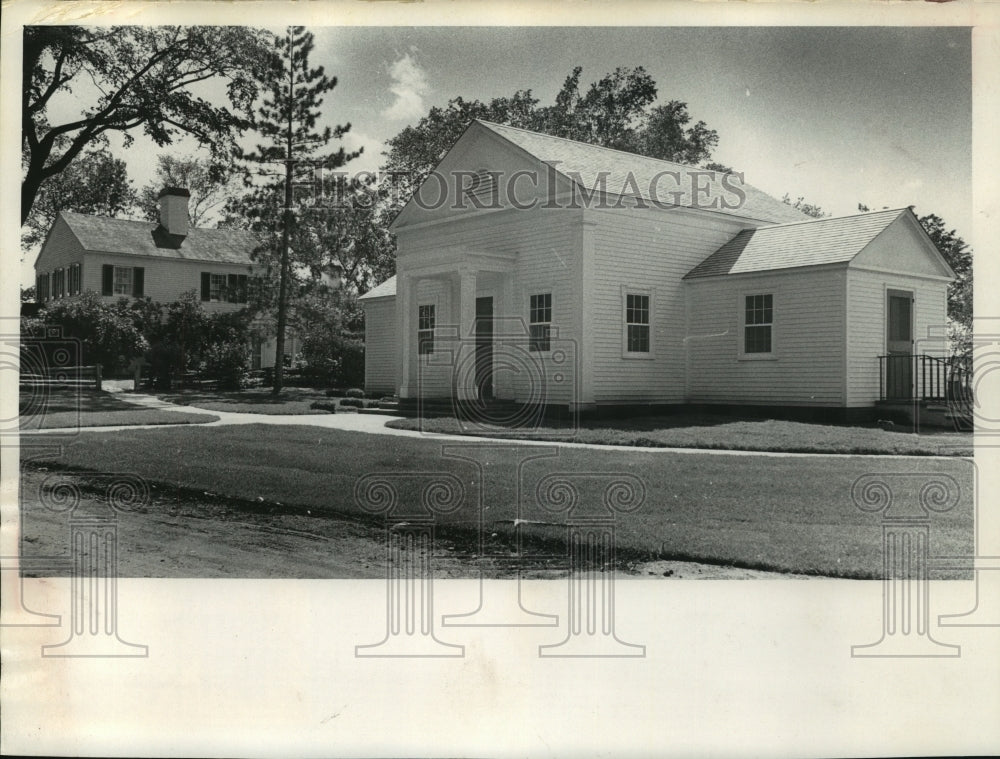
x=899 y=345
x=484 y=348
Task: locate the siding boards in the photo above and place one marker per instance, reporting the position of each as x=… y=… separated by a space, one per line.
x=164 y=280
x=808 y=336
x=61 y=248
x=546 y=243
x=866 y=304
x=381 y=347
x=647 y=250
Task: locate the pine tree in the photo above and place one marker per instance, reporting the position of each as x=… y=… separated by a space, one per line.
x=287 y=122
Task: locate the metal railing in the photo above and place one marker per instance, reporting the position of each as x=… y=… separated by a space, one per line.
x=908 y=377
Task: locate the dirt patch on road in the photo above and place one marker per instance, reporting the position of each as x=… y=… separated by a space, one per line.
x=179 y=534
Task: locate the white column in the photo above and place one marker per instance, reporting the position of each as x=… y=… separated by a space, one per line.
x=405 y=286
x=506 y=336
x=465 y=377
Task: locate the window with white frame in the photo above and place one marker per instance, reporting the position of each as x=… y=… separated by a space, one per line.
x=540 y=322
x=216 y=286
x=123 y=280
x=425 y=329
x=758 y=323
x=637 y=321
x=74 y=279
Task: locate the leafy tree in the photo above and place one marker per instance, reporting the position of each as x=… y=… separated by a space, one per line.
x=95 y=183
x=208 y=184
x=140 y=77
x=353 y=236
x=107 y=331
x=668 y=136
x=616 y=112
x=28 y=294
x=331 y=325
x=809 y=209
x=721 y=167
x=959 y=256
x=287 y=122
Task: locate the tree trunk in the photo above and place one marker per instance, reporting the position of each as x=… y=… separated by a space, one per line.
x=279 y=348
x=286 y=223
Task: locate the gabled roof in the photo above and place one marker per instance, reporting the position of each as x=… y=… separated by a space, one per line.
x=584 y=164
x=809 y=243
x=100 y=234
x=384 y=290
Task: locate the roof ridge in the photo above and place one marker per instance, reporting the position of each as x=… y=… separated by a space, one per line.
x=829 y=218
x=154 y=224
x=596 y=147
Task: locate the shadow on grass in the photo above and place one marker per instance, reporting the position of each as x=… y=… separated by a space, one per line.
x=718 y=431
x=58 y=399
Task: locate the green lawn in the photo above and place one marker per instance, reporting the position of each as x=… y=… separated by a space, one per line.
x=57 y=408
x=257 y=400
x=784 y=513
x=717 y=431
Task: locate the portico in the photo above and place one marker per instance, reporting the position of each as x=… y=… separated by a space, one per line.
x=447 y=309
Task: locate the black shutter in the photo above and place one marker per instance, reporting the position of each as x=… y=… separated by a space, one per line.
x=206 y=285
x=138 y=281
x=242 y=288
x=107 y=279
x=232 y=293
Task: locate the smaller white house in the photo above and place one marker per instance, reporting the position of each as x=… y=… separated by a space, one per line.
x=532 y=269
x=133 y=259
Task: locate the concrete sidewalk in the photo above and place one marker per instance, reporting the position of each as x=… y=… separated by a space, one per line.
x=376 y=424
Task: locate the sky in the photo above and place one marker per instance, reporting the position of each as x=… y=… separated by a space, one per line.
x=838 y=116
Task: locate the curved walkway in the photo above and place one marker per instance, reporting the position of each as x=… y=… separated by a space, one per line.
x=376 y=424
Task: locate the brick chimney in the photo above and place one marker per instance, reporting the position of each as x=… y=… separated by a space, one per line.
x=173 y=203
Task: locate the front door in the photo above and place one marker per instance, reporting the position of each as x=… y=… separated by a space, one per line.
x=899 y=345
x=484 y=348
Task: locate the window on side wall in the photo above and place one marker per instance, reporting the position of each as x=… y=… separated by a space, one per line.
x=540 y=322
x=637 y=308
x=74 y=279
x=217 y=286
x=123 y=280
x=425 y=329
x=758 y=325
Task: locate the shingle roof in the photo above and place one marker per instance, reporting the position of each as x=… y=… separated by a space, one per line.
x=587 y=162
x=385 y=289
x=783 y=246
x=145 y=238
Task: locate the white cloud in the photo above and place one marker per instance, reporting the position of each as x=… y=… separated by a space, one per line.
x=409 y=85
x=372 y=156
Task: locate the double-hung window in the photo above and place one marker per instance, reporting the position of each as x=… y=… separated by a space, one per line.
x=540 y=322
x=123 y=280
x=425 y=329
x=74 y=279
x=637 y=311
x=216 y=286
x=758 y=324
